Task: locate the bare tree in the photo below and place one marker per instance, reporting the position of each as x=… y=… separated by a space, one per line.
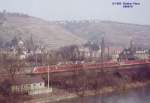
x=12 y=66
x=79 y=81
x=70 y=53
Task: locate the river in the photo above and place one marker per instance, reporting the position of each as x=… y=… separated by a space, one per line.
x=140 y=95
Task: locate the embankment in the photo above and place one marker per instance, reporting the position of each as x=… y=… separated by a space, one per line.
x=89 y=83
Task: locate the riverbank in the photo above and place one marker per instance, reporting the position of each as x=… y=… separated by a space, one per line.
x=61 y=95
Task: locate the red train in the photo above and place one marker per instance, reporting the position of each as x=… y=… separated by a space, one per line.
x=73 y=67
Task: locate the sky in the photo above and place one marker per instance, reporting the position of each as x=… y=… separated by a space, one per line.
x=80 y=10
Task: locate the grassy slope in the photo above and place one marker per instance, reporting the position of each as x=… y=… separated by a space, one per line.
x=43 y=31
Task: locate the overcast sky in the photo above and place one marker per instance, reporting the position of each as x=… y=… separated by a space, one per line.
x=80 y=9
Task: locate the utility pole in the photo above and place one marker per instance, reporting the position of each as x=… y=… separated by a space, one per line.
x=102 y=54
x=108 y=58
x=50 y=90
x=100 y=73
x=36 y=59
x=131 y=45
x=48 y=77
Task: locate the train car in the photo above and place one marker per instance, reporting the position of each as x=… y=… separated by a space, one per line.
x=73 y=67
x=134 y=62
x=56 y=68
x=40 y=69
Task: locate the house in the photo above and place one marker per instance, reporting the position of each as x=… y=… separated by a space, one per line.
x=115 y=52
x=142 y=54
x=115 y=57
x=84 y=51
x=29 y=85
x=127 y=54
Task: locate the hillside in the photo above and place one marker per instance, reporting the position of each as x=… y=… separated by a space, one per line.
x=114 y=32
x=42 y=31
x=60 y=33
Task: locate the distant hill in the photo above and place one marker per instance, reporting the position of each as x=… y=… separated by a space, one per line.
x=114 y=32
x=13 y=24
x=60 y=33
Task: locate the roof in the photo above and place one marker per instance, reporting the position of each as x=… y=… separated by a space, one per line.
x=27 y=80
